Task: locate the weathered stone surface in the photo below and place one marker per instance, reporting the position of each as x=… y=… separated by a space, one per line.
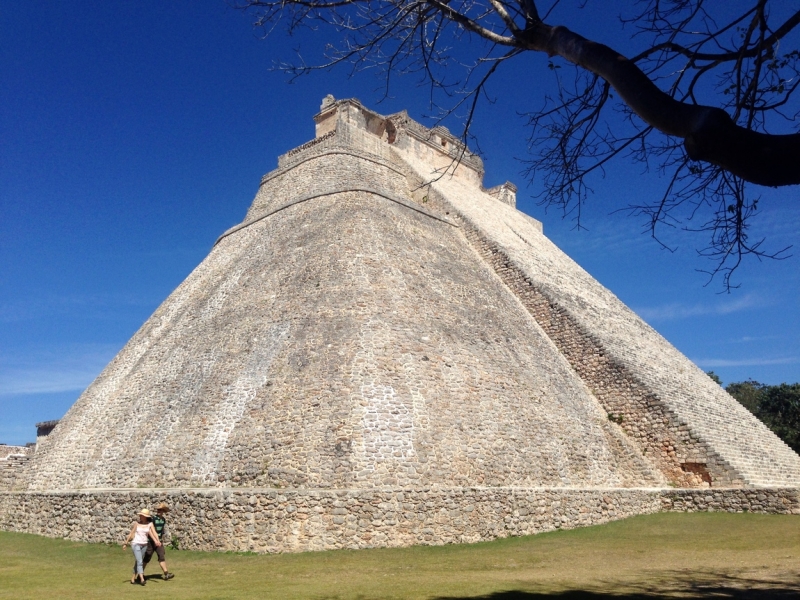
x=384 y=353
x=13 y=459
x=686 y=424
x=6 y=451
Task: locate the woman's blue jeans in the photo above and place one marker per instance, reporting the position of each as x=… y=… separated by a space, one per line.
x=138 y=552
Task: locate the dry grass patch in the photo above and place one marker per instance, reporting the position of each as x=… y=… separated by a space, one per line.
x=699 y=555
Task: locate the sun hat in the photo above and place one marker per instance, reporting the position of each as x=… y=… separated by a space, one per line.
x=145 y=513
x=163 y=506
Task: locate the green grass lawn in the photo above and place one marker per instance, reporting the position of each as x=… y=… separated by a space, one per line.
x=700 y=555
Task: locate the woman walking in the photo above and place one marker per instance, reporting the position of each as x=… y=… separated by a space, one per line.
x=140 y=532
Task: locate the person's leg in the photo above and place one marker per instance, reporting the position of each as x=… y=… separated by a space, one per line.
x=148 y=554
x=162 y=562
x=138 y=552
x=135 y=563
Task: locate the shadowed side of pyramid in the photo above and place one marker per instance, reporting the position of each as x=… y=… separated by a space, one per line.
x=693 y=431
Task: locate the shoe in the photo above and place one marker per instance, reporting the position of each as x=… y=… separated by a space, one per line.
x=168 y=576
x=143 y=581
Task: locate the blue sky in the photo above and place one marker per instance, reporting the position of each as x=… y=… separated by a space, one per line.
x=133 y=133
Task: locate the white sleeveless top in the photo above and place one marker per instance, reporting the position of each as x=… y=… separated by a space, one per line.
x=141 y=533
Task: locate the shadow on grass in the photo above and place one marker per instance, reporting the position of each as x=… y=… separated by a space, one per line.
x=678 y=585
x=148 y=578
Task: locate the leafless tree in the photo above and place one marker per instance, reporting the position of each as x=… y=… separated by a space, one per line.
x=646 y=106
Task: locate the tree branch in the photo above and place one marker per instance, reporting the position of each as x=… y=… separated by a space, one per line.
x=709 y=133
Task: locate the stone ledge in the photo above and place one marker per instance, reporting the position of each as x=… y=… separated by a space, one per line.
x=328 y=150
x=343 y=190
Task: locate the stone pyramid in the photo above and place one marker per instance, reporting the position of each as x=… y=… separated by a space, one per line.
x=382 y=335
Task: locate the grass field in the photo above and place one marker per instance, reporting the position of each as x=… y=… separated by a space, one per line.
x=701 y=555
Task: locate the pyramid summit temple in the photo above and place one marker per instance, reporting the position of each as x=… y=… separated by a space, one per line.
x=386 y=353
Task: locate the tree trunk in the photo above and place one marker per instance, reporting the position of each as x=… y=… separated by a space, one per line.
x=709 y=133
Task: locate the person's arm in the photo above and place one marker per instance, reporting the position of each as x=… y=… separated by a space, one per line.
x=130 y=536
x=154 y=535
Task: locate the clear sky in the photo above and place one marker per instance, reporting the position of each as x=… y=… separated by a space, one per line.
x=133 y=133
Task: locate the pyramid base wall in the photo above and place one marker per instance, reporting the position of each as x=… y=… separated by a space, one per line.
x=270 y=520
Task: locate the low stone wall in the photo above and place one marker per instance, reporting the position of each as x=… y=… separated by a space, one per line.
x=268 y=520
x=758 y=500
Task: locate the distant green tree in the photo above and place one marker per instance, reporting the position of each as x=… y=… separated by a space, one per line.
x=749 y=394
x=714 y=377
x=781 y=409
x=777 y=406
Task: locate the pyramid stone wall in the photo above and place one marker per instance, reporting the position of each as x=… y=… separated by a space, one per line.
x=384 y=352
x=392 y=358
x=706 y=427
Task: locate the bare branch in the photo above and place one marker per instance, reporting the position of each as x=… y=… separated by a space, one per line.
x=692 y=49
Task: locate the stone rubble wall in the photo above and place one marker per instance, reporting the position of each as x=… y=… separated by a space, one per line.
x=301 y=520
